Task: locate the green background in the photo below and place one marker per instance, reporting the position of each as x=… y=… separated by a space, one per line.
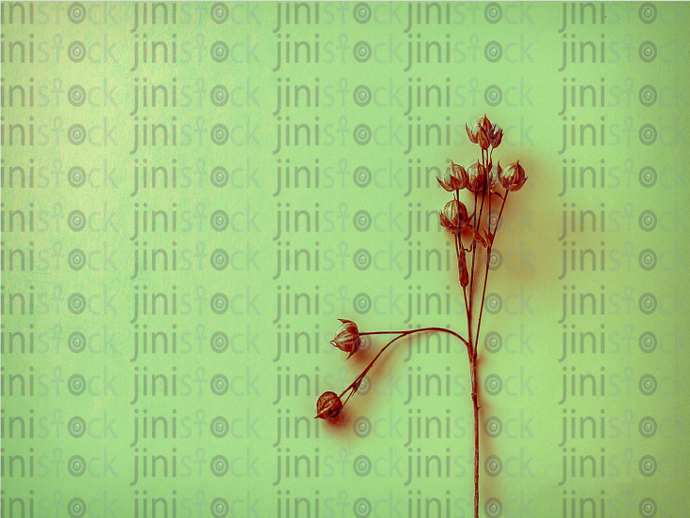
x=644 y=254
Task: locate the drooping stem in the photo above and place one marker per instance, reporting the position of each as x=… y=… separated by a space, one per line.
x=412 y=331
x=472 y=355
x=401 y=334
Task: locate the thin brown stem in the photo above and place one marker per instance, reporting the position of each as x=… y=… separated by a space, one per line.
x=476 y=439
x=500 y=212
x=486 y=275
x=484 y=192
x=403 y=334
x=488 y=259
x=381 y=333
x=485 y=189
x=412 y=331
x=486 y=159
x=475 y=225
x=464 y=292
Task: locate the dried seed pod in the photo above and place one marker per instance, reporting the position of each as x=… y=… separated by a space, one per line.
x=328 y=406
x=454 y=178
x=475 y=175
x=347 y=337
x=454 y=216
x=481 y=132
x=513 y=177
x=485 y=133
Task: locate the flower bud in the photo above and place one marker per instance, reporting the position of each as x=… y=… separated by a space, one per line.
x=328 y=406
x=459 y=175
x=454 y=179
x=513 y=177
x=481 y=132
x=454 y=216
x=475 y=174
x=347 y=337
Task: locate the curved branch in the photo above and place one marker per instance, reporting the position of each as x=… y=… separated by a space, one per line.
x=401 y=334
x=420 y=330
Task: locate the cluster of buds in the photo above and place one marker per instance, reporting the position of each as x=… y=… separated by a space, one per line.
x=479 y=177
x=482 y=178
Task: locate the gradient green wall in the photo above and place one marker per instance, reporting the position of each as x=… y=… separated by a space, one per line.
x=593 y=98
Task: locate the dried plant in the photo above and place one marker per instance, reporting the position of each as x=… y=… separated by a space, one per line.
x=483 y=180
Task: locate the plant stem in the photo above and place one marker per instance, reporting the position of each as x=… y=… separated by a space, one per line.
x=412 y=331
x=471 y=342
x=475 y=409
x=475 y=225
x=475 y=341
x=472 y=355
x=401 y=334
x=486 y=158
x=488 y=259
